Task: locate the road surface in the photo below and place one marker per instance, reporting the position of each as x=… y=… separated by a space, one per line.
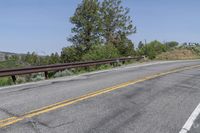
x=154 y=97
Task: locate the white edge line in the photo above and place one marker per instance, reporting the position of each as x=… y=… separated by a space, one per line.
x=191 y=120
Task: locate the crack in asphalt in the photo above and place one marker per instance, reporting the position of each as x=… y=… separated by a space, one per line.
x=22 y=89
x=34 y=125
x=71 y=80
x=55 y=126
x=8 y=112
x=190 y=75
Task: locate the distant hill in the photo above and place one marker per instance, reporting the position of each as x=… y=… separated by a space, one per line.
x=8 y=54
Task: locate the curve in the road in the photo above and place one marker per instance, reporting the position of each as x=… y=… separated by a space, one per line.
x=15 y=119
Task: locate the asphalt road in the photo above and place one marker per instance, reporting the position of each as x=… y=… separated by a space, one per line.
x=142 y=102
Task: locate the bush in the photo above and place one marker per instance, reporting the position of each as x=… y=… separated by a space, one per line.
x=125 y=47
x=99 y=52
x=70 y=54
x=63 y=73
x=152 y=49
x=5 y=81
x=106 y=66
x=37 y=77
x=171 y=44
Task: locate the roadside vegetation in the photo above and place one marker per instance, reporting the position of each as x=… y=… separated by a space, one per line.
x=100 y=30
x=156 y=50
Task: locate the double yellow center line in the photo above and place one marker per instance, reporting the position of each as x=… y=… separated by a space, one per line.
x=12 y=120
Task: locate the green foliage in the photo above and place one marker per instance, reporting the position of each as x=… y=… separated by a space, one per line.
x=125 y=48
x=70 y=54
x=103 y=67
x=194 y=48
x=62 y=73
x=117 y=26
x=98 y=52
x=152 y=49
x=5 y=81
x=10 y=64
x=86 y=23
x=197 y=49
x=140 y=45
x=32 y=59
x=13 y=57
x=37 y=77
x=54 y=59
x=105 y=22
x=171 y=44
x=29 y=59
x=116 y=23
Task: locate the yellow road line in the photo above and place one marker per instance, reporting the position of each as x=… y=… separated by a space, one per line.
x=15 y=119
x=11 y=118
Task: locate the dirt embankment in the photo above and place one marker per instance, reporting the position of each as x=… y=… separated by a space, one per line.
x=178 y=54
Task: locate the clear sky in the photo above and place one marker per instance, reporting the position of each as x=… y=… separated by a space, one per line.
x=43 y=25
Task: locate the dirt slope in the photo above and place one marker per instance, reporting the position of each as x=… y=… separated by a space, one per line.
x=178 y=54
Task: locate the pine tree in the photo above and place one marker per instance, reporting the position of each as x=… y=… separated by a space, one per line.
x=86 y=21
x=116 y=25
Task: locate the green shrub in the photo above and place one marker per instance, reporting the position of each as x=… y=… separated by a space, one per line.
x=171 y=44
x=106 y=66
x=152 y=49
x=5 y=81
x=70 y=54
x=37 y=77
x=99 y=52
x=63 y=73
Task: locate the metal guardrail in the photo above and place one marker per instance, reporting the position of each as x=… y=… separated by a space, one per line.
x=59 y=67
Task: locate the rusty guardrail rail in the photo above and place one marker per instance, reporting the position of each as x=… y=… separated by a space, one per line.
x=59 y=67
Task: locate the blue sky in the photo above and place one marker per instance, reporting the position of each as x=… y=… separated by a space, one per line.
x=43 y=25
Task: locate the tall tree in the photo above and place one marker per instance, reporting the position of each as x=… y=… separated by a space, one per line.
x=140 y=44
x=86 y=23
x=116 y=23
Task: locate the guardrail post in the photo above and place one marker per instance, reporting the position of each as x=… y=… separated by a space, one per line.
x=14 y=79
x=117 y=63
x=46 y=74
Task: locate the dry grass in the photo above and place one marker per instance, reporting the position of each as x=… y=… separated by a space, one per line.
x=178 y=54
